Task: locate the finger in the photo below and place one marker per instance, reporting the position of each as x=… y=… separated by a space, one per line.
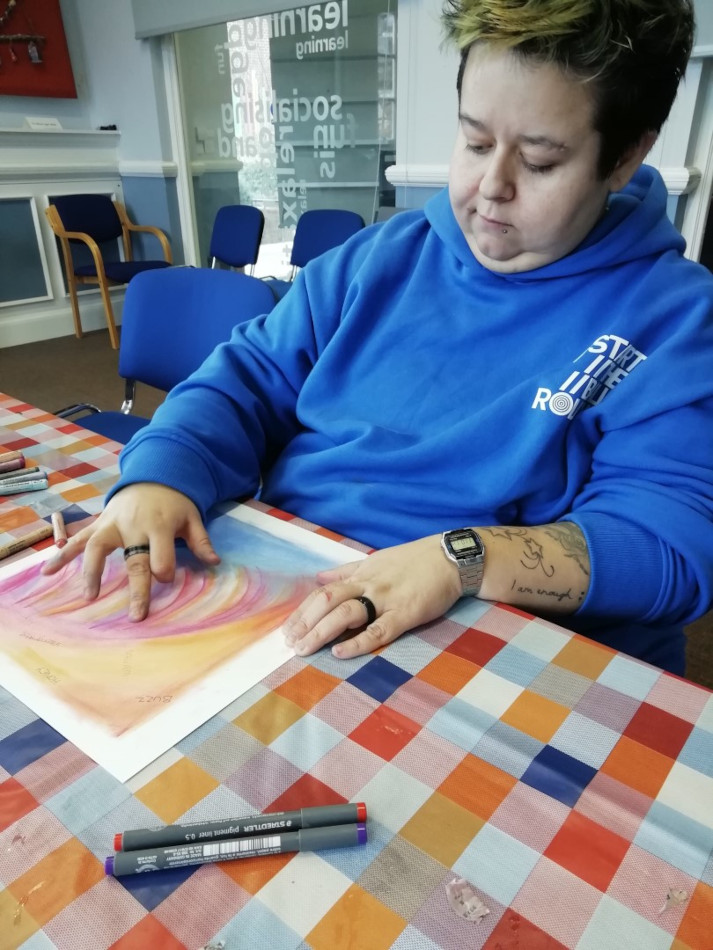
x=347 y=615
x=73 y=548
x=383 y=631
x=314 y=608
x=138 y=568
x=341 y=573
x=197 y=539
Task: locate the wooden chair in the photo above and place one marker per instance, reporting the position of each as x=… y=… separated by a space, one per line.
x=94 y=220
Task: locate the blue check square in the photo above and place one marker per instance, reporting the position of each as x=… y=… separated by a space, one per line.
x=558 y=775
x=378 y=678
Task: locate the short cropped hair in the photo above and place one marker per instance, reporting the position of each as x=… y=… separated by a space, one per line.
x=633 y=52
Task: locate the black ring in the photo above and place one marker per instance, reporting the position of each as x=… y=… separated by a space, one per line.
x=370 y=609
x=136 y=549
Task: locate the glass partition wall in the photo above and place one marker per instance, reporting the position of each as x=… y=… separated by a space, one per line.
x=288 y=112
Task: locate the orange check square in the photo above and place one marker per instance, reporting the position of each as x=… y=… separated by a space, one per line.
x=178 y=788
x=637 y=766
x=448 y=672
x=358 y=921
x=442 y=829
x=385 y=732
x=307 y=687
x=478 y=786
x=55 y=881
x=588 y=850
x=269 y=717
x=584 y=657
x=535 y=715
x=695 y=928
x=253 y=873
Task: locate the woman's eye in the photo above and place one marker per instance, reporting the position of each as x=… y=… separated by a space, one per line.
x=538 y=169
x=478 y=149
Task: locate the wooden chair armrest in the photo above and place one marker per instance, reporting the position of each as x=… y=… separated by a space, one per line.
x=129 y=225
x=82 y=236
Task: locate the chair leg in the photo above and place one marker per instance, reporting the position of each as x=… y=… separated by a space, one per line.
x=113 y=335
x=74 y=299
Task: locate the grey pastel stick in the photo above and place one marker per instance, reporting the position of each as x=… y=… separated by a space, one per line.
x=14 y=487
x=309 y=839
x=20 y=473
x=315 y=817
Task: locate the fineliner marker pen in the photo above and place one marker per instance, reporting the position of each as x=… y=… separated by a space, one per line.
x=11 y=456
x=14 y=488
x=309 y=839
x=19 y=473
x=316 y=817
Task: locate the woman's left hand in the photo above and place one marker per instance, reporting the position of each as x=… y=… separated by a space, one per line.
x=409 y=585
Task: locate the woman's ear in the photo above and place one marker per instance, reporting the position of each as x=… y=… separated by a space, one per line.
x=630 y=161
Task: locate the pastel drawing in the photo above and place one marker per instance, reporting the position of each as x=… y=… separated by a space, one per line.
x=120 y=674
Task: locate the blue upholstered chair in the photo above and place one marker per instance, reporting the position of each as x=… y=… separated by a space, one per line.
x=317 y=231
x=172 y=320
x=236 y=236
x=98 y=222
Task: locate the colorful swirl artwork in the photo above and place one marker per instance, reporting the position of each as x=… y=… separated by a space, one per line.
x=120 y=673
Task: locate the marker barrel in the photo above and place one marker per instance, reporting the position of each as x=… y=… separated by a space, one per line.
x=308 y=839
x=198 y=831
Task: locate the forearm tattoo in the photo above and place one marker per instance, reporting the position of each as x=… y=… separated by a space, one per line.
x=533 y=558
x=572 y=542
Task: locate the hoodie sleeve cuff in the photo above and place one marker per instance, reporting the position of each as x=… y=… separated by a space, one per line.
x=626 y=564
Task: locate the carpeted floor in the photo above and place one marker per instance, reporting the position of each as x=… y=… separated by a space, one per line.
x=57 y=373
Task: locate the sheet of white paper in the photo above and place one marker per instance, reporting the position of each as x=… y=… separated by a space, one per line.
x=125 y=693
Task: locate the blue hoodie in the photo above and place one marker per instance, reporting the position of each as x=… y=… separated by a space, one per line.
x=400 y=389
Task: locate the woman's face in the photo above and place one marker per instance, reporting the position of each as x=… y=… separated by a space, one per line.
x=523 y=181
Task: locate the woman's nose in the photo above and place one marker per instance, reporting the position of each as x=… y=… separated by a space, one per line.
x=497 y=183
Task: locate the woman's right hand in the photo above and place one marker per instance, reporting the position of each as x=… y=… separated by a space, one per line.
x=143 y=514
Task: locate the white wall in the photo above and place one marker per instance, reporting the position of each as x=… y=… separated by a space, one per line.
x=118 y=80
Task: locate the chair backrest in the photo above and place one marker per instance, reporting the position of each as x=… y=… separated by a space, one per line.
x=174 y=318
x=237 y=233
x=320 y=230
x=93 y=214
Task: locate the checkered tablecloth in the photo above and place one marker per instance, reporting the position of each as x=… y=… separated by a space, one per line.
x=570 y=786
x=81 y=467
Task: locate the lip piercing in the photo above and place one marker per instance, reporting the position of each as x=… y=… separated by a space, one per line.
x=505 y=230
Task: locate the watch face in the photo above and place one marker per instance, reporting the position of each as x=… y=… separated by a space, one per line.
x=463 y=542
x=459 y=545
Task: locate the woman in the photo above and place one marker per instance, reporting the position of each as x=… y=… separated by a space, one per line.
x=525 y=361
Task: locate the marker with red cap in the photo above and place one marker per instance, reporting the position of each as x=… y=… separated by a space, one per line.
x=308 y=839
x=319 y=816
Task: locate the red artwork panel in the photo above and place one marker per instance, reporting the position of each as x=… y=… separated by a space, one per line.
x=34 y=59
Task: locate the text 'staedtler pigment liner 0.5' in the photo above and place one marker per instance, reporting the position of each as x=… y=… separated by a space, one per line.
x=308 y=839
x=316 y=817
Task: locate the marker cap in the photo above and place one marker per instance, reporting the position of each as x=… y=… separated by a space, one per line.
x=119 y=841
x=361 y=811
x=361 y=833
x=109 y=865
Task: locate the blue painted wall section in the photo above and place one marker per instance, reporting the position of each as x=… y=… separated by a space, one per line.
x=153 y=200
x=21 y=276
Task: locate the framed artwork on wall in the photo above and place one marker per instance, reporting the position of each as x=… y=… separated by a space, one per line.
x=34 y=59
